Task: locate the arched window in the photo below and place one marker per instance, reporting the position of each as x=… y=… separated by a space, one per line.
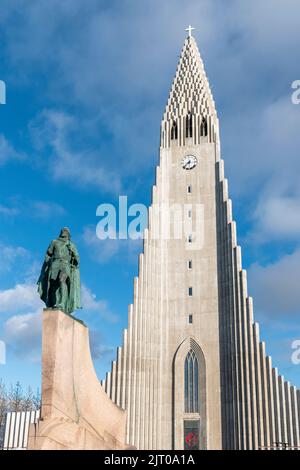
x=189 y=126
x=191 y=383
x=174 y=131
x=203 y=128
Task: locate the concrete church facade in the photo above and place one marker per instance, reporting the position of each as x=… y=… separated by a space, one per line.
x=192 y=372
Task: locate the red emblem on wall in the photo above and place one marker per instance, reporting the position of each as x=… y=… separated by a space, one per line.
x=191 y=440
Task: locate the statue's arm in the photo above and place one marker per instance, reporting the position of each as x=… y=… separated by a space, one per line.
x=49 y=252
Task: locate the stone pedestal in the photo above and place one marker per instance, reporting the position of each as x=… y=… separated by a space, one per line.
x=76 y=412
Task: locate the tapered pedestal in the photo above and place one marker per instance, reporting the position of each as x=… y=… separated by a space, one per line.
x=76 y=412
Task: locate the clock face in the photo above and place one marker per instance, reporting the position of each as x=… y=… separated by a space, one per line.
x=189 y=162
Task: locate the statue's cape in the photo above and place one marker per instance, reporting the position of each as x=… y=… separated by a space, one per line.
x=44 y=283
x=74 y=298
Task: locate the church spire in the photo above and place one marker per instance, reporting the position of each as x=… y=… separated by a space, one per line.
x=190 y=110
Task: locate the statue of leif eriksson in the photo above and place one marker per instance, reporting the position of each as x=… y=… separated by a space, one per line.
x=59 y=281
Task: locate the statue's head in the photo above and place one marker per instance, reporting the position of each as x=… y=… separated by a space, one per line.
x=65 y=233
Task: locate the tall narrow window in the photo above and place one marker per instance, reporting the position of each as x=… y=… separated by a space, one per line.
x=190 y=264
x=203 y=128
x=174 y=131
x=189 y=189
x=189 y=125
x=191 y=383
x=190 y=291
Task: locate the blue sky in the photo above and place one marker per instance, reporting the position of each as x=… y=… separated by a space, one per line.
x=87 y=83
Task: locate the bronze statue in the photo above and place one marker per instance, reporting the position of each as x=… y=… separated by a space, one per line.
x=59 y=281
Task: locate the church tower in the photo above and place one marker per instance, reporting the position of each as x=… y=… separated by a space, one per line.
x=192 y=372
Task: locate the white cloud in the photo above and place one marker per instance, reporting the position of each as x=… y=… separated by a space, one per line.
x=271 y=24
x=277 y=218
x=22 y=333
x=46 y=210
x=98 y=349
x=9 y=211
x=55 y=130
x=275 y=287
x=267 y=175
x=10 y=255
x=38 y=209
x=91 y=304
x=22 y=297
x=103 y=251
x=7 y=152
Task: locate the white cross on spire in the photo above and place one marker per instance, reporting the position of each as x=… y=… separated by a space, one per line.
x=190 y=29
